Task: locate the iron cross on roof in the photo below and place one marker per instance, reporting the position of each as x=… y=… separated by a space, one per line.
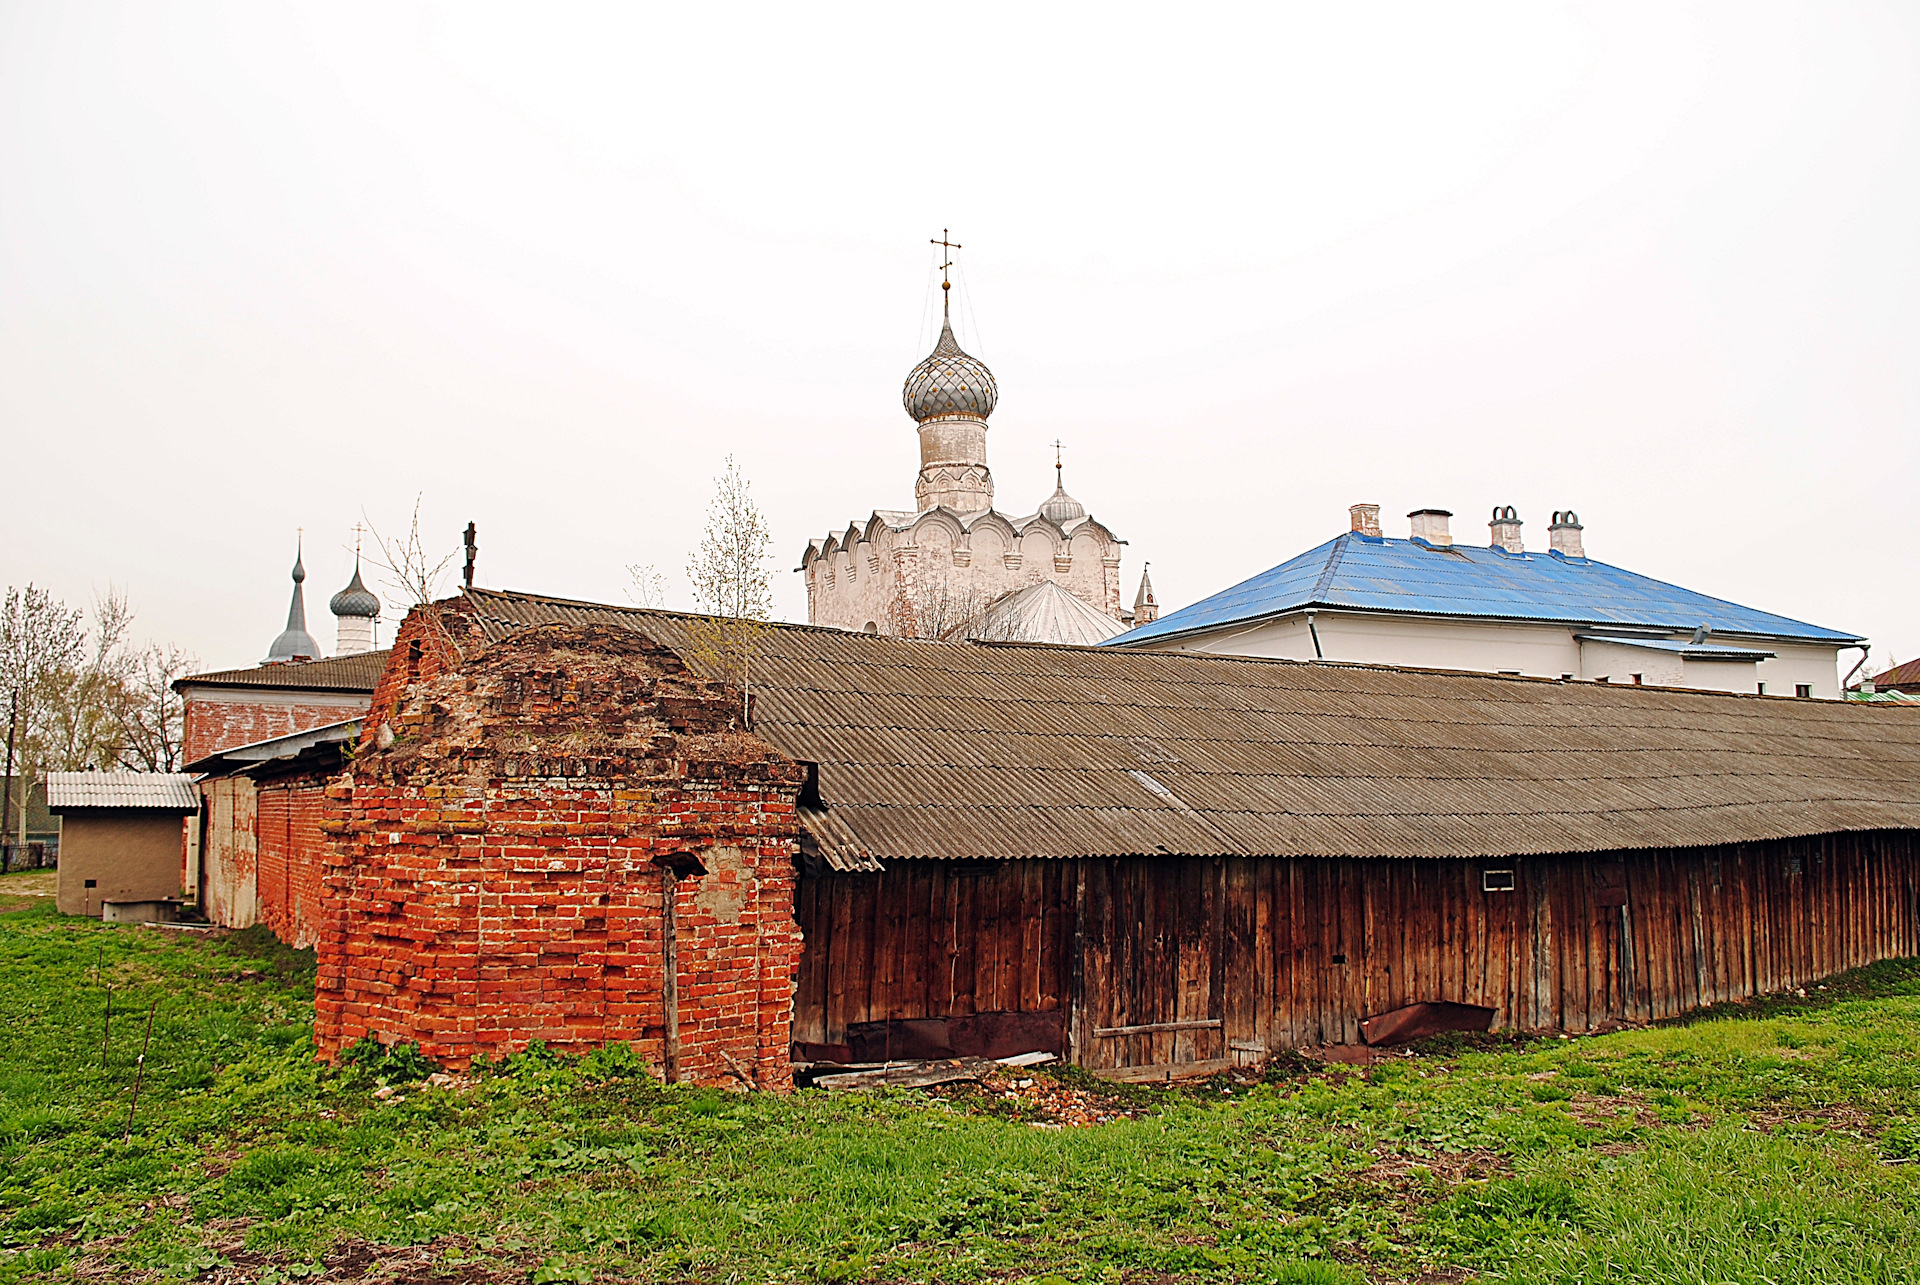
x=945 y=245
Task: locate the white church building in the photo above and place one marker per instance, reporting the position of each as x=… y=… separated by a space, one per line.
x=1500 y=608
x=954 y=566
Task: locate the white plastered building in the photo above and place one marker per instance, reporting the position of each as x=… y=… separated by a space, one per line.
x=1500 y=608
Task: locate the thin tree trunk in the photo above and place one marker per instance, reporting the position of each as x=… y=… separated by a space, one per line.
x=6 y=802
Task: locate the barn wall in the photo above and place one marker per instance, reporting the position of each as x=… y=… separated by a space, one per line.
x=932 y=939
x=1227 y=959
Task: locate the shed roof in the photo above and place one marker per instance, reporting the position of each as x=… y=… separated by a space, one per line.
x=156 y=791
x=999 y=750
x=1375 y=573
x=1907 y=675
x=359 y=673
x=312 y=746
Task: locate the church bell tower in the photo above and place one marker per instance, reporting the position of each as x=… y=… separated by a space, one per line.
x=950 y=396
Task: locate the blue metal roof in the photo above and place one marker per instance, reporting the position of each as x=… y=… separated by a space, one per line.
x=1373 y=573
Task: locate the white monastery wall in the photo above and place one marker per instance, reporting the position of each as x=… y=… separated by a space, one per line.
x=1619 y=664
x=1815 y=667
x=1536 y=651
x=1544 y=651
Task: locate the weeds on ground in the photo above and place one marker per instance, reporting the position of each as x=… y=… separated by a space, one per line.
x=1765 y=1147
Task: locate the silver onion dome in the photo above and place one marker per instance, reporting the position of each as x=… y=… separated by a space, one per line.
x=1061 y=508
x=355 y=600
x=949 y=383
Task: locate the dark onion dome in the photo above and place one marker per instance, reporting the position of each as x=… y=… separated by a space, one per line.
x=949 y=383
x=294 y=642
x=1062 y=509
x=356 y=599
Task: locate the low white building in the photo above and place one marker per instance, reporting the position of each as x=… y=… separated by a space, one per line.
x=1500 y=608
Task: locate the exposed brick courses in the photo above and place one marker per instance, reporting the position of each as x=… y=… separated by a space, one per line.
x=494 y=866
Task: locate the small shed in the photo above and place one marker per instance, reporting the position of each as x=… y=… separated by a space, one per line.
x=121 y=836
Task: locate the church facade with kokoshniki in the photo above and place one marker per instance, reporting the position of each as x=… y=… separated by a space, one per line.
x=933 y=570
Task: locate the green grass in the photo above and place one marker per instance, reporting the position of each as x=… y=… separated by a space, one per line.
x=1766 y=1146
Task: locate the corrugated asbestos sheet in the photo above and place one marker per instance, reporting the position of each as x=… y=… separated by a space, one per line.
x=169 y=791
x=966 y=750
x=1371 y=573
x=359 y=673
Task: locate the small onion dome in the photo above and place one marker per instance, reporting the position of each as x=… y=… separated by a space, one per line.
x=1062 y=508
x=949 y=383
x=355 y=600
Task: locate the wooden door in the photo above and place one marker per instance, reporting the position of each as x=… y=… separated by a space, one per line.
x=1151 y=990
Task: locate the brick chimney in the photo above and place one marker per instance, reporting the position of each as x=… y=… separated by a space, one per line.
x=1365 y=519
x=1565 y=533
x=1506 y=529
x=1431 y=525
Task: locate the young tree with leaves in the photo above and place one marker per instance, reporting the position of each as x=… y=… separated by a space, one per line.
x=732 y=585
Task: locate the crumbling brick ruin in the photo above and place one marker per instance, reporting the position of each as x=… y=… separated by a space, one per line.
x=560 y=837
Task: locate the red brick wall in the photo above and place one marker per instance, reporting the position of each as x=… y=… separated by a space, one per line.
x=493 y=876
x=291 y=859
x=215 y=722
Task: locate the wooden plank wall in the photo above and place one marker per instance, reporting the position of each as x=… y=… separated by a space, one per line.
x=1231 y=957
x=932 y=939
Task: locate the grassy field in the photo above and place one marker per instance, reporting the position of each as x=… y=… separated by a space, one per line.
x=1765 y=1146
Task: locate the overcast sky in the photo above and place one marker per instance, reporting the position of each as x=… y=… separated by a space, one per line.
x=269 y=267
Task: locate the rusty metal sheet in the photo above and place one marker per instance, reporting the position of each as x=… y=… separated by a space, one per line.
x=1419 y=1021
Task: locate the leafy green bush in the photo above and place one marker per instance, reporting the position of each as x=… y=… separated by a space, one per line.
x=397 y=1063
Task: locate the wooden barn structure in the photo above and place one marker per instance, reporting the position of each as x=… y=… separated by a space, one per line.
x=1154 y=862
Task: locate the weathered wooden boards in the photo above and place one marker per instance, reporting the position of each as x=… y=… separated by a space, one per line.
x=1173 y=962
x=925 y=1074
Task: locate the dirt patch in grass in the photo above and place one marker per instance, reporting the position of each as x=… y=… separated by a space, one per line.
x=1612 y=1111
x=27 y=888
x=1845 y=1119
x=1048 y=1098
x=450 y=1260
x=1413 y=1178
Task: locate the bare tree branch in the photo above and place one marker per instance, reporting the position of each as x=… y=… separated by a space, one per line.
x=732 y=585
x=648 y=588
x=412 y=577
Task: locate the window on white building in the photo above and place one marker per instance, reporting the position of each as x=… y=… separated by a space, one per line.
x=1803 y=690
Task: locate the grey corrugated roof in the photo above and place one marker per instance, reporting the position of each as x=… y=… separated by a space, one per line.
x=359 y=673
x=967 y=750
x=160 y=791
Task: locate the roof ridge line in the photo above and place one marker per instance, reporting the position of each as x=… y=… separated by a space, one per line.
x=1325 y=581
